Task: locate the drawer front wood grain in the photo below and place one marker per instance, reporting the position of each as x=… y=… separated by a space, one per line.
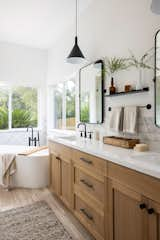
x=89 y=217
x=90 y=162
x=89 y=184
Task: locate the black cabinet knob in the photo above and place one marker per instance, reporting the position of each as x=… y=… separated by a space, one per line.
x=150 y=211
x=142 y=206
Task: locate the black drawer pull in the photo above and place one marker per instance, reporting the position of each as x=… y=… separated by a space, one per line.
x=142 y=206
x=86 y=183
x=86 y=161
x=150 y=211
x=58 y=158
x=86 y=214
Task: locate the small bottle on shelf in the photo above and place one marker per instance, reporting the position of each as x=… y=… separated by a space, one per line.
x=112 y=89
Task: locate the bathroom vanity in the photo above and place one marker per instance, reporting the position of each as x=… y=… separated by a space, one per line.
x=114 y=192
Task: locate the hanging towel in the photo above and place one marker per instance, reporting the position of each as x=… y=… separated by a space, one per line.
x=8 y=168
x=130 y=119
x=116 y=119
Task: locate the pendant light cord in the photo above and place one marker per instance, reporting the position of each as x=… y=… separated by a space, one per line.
x=76 y=18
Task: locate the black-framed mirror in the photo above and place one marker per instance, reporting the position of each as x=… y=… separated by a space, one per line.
x=91 y=93
x=157 y=79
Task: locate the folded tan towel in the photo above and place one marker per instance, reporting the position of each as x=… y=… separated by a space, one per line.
x=116 y=119
x=33 y=150
x=8 y=168
x=130 y=119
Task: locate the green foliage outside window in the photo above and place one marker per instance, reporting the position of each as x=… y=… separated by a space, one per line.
x=24 y=108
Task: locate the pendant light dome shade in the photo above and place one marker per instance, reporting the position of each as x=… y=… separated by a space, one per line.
x=76 y=56
x=155 y=6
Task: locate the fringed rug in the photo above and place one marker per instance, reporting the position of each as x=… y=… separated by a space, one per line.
x=32 y=222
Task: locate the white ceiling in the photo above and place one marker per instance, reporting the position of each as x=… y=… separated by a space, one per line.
x=37 y=23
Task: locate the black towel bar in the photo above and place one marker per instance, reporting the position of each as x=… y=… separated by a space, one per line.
x=148 y=107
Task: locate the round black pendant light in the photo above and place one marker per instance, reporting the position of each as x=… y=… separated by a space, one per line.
x=76 y=56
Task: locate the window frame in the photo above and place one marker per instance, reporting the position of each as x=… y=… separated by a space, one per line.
x=10 y=90
x=50 y=104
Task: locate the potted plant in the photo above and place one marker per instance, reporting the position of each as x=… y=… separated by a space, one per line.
x=140 y=64
x=112 y=66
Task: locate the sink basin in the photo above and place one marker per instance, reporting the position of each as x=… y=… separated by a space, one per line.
x=69 y=138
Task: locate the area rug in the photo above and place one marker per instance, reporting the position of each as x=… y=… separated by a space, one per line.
x=32 y=222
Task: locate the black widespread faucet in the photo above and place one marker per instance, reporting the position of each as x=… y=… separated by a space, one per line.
x=85 y=128
x=33 y=140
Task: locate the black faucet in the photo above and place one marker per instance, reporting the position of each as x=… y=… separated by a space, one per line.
x=85 y=128
x=32 y=141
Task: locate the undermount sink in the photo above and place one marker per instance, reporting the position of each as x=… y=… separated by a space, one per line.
x=69 y=138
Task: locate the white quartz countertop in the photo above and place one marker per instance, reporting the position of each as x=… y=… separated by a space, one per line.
x=146 y=162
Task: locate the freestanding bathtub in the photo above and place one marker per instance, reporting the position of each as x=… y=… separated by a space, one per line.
x=32 y=171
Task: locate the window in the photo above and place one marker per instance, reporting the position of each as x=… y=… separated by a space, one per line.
x=70 y=104
x=58 y=106
x=4 y=100
x=64 y=105
x=18 y=107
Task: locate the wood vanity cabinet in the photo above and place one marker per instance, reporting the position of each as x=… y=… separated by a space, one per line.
x=61 y=172
x=111 y=201
x=127 y=219
x=131 y=212
x=55 y=174
x=154 y=220
x=89 y=192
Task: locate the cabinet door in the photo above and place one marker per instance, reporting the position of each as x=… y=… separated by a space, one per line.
x=66 y=181
x=127 y=221
x=55 y=174
x=153 y=220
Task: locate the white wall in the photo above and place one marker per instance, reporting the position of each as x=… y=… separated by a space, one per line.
x=111 y=28
x=20 y=65
x=107 y=28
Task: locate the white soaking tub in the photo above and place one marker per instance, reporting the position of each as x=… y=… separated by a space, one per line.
x=32 y=171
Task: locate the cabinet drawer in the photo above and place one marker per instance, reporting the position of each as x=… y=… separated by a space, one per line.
x=90 y=184
x=90 y=162
x=90 y=218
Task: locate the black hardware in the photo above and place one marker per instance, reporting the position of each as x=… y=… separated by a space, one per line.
x=58 y=158
x=148 y=107
x=86 y=214
x=86 y=183
x=150 y=211
x=105 y=90
x=85 y=129
x=32 y=141
x=81 y=133
x=142 y=206
x=86 y=161
x=90 y=135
